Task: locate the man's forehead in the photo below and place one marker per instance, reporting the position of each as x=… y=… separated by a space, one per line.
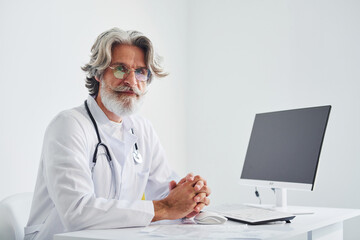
x=128 y=54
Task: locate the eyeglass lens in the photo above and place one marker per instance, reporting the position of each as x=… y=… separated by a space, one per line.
x=141 y=74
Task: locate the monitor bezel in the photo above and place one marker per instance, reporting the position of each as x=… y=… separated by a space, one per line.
x=275 y=184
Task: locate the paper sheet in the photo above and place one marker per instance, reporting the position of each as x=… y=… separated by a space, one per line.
x=197 y=231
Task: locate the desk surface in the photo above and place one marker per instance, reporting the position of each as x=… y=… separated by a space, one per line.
x=321 y=218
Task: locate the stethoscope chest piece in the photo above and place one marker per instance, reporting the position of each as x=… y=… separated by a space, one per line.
x=137 y=157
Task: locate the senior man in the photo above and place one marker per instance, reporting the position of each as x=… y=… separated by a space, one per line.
x=103 y=167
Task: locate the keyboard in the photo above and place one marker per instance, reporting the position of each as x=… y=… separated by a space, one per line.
x=251 y=215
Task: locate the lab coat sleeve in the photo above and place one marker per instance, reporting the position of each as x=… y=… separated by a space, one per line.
x=69 y=182
x=160 y=173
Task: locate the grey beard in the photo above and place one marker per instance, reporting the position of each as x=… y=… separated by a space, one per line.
x=118 y=103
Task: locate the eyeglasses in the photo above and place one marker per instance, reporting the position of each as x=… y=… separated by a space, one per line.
x=121 y=71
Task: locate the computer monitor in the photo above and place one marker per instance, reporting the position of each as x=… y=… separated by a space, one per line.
x=284 y=150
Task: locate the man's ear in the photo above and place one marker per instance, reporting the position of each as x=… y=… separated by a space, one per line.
x=97 y=79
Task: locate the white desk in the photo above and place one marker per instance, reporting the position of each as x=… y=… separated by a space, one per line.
x=325 y=223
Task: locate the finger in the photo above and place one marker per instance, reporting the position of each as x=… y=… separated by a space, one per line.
x=182 y=180
x=189 y=177
x=199 y=178
x=204 y=189
x=208 y=191
x=192 y=214
x=172 y=185
x=206 y=201
x=200 y=197
x=199 y=207
x=199 y=185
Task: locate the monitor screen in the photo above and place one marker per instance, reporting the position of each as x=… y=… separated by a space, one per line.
x=284 y=148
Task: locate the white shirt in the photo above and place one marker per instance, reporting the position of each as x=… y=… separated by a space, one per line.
x=68 y=197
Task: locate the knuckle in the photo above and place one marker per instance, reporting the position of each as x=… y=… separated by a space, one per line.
x=199 y=185
x=207 y=190
x=197 y=177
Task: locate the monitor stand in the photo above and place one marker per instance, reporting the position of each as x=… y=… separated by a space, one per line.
x=281 y=204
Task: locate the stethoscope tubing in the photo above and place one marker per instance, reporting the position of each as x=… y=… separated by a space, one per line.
x=136 y=155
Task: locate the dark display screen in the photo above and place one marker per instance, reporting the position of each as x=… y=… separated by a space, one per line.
x=285 y=146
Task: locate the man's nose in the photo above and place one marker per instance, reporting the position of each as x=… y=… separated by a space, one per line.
x=130 y=80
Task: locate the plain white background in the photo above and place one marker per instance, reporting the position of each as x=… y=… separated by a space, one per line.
x=227 y=61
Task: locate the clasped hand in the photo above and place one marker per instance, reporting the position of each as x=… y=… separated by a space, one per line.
x=202 y=191
x=186 y=199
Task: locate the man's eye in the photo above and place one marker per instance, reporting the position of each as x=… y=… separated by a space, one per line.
x=121 y=68
x=142 y=71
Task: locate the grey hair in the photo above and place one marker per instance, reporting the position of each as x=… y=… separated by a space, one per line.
x=100 y=57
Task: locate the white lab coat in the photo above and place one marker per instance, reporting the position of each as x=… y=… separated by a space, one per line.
x=68 y=197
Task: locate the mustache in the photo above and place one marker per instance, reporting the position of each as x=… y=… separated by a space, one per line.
x=120 y=89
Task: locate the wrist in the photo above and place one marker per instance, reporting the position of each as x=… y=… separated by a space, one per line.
x=160 y=210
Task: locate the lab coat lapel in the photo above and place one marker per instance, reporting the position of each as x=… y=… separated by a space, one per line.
x=129 y=188
x=129 y=138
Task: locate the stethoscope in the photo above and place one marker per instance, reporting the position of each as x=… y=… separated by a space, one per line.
x=136 y=155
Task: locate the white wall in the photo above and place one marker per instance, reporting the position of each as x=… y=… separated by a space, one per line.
x=256 y=56
x=228 y=60
x=44 y=44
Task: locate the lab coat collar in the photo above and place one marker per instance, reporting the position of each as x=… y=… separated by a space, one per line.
x=96 y=111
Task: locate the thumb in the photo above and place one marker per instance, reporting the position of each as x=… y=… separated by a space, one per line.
x=172 y=185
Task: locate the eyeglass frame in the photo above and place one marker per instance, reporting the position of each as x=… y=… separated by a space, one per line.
x=113 y=68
